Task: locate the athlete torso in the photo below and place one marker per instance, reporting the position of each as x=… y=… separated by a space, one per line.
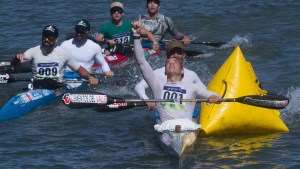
x=51 y=65
x=158 y=26
x=86 y=54
x=121 y=34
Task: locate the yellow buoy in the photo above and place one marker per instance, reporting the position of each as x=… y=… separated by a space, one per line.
x=237 y=78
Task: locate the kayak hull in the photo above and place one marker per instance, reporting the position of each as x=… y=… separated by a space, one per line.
x=117 y=60
x=237 y=78
x=26 y=101
x=177 y=136
x=178 y=143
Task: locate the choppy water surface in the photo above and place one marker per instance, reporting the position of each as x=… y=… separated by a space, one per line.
x=57 y=137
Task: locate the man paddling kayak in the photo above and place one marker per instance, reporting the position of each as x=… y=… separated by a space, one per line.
x=159 y=25
x=49 y=61
x=173 y=88
x=118 y=30
x=84 y=50
x=174 y=50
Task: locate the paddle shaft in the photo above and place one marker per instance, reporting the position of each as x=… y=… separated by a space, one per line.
x=271 y=102
x=95 y=99
x=15 y=69
x=214 y=44
x=12 y=80
x=5 y=63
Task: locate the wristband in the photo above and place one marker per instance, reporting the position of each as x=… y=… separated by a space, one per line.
x=136 y=36
x=155 y=43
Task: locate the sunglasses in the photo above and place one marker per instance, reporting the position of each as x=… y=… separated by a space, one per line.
x=115 y=10
x=50 y=37
x=80 y=32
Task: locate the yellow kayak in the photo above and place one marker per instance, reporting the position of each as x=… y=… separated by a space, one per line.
x=237 y=78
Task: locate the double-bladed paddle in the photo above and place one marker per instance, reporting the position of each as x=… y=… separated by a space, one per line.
x=95 y=99
x=7 y=78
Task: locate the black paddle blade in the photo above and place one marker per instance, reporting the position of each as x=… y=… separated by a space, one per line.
x=98 y=101
x=85 y=100
x=266 y=101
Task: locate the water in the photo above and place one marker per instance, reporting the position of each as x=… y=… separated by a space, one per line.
x=57 y=137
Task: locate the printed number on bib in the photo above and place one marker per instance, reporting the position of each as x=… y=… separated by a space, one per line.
x=47 y=70
x=172 y=95
x=122 y=39
x=171 y=92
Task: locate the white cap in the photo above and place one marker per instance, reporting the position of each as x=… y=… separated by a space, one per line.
x=117 y=4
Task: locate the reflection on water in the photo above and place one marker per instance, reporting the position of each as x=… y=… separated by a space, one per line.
x=233 y=151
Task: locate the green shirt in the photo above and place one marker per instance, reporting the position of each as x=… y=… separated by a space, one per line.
x=121 y=34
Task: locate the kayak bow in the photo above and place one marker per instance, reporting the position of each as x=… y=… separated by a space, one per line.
x=177 y=135
x=24 y=102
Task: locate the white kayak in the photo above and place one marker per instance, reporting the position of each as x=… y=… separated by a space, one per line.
x=177 y=135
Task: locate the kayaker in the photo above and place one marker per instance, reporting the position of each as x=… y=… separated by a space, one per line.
x=118 y=30
x=49 y=61
x=159 y=25
x=173 y=88
x=174 y=50
x=84 y=50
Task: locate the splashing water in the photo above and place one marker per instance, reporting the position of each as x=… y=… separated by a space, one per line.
x=238 y=41
x=291 y=114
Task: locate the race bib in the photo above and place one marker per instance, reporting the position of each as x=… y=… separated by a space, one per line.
x=177 y=93
x=122 y=38
x=47 y=70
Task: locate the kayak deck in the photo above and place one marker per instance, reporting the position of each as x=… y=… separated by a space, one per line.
x=24 y=102
x=177 y=135
x=178 y=143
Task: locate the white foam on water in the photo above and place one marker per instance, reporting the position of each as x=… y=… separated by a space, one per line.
x=291 y=114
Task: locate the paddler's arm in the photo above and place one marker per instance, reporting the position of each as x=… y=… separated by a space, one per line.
x=17 y=59
x=140 y=90
x=145 y=68
x=86 y=75
x=148 y=34
x=180 y=36
x=203 y=92
x=22 y=57
x=104 y=65
x=100 y=38
x=71 y=62
x=151 y=37
x=177 y=34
